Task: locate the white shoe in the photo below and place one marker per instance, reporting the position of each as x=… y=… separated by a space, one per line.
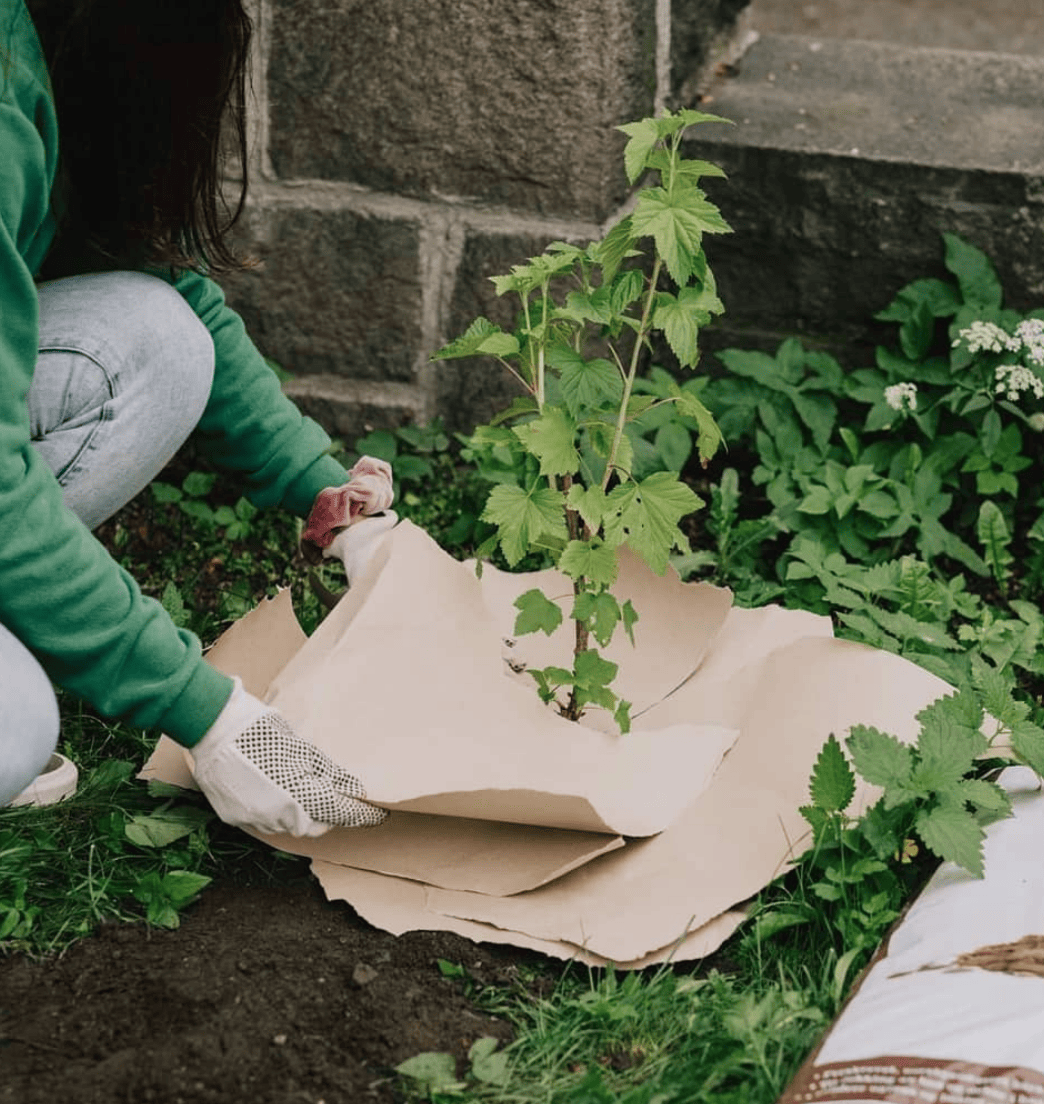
x=58 y=780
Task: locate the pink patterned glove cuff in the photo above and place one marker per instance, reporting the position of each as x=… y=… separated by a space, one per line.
x=368 y=491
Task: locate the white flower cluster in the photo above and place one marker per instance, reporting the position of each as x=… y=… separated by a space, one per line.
x=987 y=336
x=901 y=396
x=1031 y=334
x=1013 y=379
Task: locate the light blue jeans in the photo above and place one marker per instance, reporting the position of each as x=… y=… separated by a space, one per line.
x=123 y=375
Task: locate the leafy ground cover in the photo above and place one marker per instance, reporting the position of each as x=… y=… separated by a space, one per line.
x=903 y=498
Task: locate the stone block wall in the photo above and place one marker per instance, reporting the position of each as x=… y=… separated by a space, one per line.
x=403 y=151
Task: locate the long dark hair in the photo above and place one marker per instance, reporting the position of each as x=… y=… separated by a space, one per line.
x=151 y=100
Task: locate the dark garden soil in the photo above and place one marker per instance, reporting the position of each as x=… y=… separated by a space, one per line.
x=262 y=996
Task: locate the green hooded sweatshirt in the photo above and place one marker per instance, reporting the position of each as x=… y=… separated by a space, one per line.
x=61 y=593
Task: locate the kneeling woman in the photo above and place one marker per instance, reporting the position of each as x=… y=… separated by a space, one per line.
x=115 y=345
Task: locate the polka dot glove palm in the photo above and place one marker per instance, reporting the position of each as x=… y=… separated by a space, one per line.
x=258 y=773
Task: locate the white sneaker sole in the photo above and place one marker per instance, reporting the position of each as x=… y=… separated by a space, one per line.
x=58 y=780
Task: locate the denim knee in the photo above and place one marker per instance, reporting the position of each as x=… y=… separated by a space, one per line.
x=132 y=326
x=29 y=721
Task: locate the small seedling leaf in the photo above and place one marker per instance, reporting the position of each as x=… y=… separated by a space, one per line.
x=536 y=613
x=833 y=782
x=436 y=1071
x=165 y=826
x=487 y=1064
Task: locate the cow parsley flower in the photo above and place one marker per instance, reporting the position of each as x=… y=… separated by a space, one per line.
x=989 y=337
x=1031 y=334
x=1013 y=379
x=901 y=396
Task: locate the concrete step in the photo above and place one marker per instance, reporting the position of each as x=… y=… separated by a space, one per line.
x=848 y=160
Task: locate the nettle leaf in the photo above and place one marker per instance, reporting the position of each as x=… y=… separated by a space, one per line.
x=947 y=747
x=592 y=560
x=832 y=784
x=524 y=518
x=952 y=833
x=645 y=515
x=468 y=343
x=986 y=796
x=880 y=758
x=585 y=384
x=1027 y=741
x=599 y=612
x=551 y=438
x=536 y=613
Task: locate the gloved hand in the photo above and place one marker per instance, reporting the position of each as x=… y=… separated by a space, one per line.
x=257 y=773
x=368 y=491
x=355 y=545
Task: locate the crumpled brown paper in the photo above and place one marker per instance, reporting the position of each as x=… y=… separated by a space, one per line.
x=510 y=824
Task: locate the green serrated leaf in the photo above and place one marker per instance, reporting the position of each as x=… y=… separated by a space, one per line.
x=599 y=612
x=946 y=747
x=1027 y=741
x=622 y=715
x=525 y=518
x=536 y=613
x=594 y=671
x=646 y=516
x=592 y=560
x=630 y=619
x=551 y=438
x=590 y=503
x=953 y=834
x=585 y=384
x=677 y=222
x=879 y=757
x=615 y=247
x=832 y=784
x=643 y=137
x=709 y=437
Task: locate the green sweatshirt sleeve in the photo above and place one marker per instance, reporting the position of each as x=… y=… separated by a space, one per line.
x=61 y=593
x=249 y=426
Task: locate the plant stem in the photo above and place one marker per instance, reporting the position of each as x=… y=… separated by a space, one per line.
x=621 y=421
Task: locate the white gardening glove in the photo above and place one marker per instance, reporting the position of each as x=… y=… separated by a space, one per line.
x=355 y=545
x=257 y=773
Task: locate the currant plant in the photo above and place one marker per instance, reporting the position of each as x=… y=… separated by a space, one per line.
x=586 y=317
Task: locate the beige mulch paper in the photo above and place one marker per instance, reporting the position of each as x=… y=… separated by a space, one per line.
x=509 y=823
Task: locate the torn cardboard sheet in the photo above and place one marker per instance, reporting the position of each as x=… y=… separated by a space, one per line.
x=404 y=683
x=951 y=1009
